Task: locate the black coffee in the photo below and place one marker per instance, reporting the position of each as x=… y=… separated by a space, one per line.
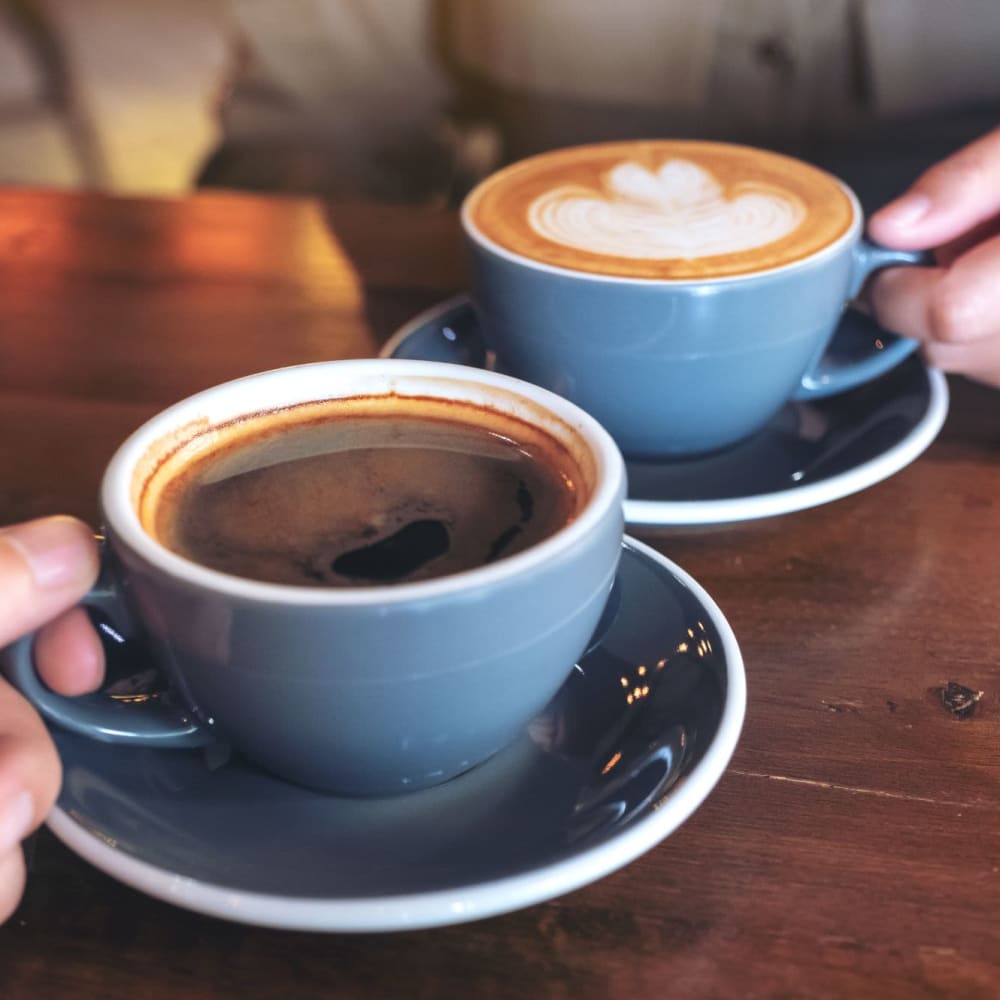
x=347 y=494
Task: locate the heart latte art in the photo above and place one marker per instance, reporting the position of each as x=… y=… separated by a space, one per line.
x=679 y=210
x=661 y=209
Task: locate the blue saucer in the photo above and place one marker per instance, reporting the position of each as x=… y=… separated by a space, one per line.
x=810 y=453
x=632 y=744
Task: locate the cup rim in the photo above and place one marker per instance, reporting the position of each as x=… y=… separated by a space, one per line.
x=124 y=526
x=476 y=235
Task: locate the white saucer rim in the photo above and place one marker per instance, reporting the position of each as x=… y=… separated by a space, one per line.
x=454 y=905
x=731 y=510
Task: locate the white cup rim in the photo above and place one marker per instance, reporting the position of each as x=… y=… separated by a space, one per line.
x=476 y=235
x=298 y=384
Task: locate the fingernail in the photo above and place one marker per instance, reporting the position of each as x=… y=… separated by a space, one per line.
x=908 y=210
x=17 y=817
x=56 y=549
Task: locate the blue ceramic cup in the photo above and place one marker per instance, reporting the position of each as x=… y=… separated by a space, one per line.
x=359 y=691
x=675 y=367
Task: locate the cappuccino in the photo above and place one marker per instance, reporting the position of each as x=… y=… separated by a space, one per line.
x=662 y=209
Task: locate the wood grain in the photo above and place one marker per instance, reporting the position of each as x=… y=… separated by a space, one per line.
x=853 y=847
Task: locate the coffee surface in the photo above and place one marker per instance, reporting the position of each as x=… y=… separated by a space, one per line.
x=668 y=209
x=345 y=494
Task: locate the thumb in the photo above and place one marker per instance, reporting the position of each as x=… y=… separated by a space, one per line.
x=947 y=201
x=46 y=566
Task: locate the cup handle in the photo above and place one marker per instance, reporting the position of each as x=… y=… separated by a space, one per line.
x=871 y=355
x=449 y=332
x=151 y=722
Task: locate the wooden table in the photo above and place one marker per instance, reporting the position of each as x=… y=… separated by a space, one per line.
x=853 y=846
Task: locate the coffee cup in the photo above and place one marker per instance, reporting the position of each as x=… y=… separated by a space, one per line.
x=260 y=541
x=679 y=291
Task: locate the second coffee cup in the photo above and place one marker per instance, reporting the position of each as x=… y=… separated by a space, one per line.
x=679 y=291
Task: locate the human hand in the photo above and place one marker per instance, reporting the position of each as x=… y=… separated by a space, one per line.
x=954 y=307
x=46 y=566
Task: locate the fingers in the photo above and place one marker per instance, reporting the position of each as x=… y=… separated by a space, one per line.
x=900 y=298
x=29 y=766
x=979 y=361
x=68 y=654
x=954 y=196
x=11 y=881
x=30 y=775
x=955 y=305
x=955 y=309
x=46 y=566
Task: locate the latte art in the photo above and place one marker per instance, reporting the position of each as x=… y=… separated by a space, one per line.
x=661 y=209
x=679 y=210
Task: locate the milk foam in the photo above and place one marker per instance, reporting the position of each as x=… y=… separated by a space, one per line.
x=680 y=210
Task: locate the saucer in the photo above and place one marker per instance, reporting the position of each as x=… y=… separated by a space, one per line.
x=810 y=453
x=626 y=751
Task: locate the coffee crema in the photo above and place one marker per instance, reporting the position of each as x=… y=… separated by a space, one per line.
x=362 y=491
x=666 y=209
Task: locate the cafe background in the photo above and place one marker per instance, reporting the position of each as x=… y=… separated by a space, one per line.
x=413 y=101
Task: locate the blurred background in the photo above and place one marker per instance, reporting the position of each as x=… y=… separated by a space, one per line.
x=414 y=100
